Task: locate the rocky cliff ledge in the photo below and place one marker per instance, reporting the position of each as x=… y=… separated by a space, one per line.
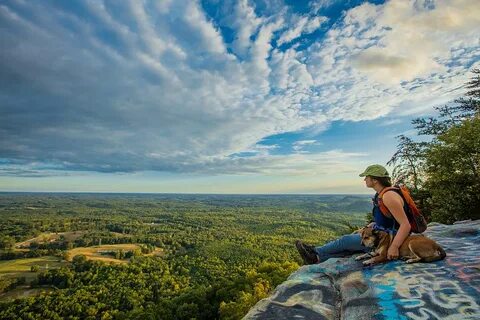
x=342 y=288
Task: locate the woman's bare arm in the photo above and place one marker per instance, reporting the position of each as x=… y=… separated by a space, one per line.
x=394 y=202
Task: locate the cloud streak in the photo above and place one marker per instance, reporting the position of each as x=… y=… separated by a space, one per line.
x=131 y=86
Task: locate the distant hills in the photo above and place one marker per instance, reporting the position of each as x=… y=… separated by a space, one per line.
x=322 y=203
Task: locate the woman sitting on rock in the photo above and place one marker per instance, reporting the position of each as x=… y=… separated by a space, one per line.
x=377 y=178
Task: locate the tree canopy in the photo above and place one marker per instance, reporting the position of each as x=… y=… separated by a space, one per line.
x=444 y=172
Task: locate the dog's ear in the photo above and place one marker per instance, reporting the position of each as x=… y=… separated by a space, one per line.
x=359 y=230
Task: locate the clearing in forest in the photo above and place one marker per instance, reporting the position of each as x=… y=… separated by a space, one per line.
x=106 y=252
x=51 y=237
x=22 y=267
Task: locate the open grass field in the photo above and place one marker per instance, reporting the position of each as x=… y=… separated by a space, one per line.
x=21 y=267
x=50 y=237
x=23 y=292
x=95 y=252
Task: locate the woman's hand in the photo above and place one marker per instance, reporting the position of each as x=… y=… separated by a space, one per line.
x=392 y=253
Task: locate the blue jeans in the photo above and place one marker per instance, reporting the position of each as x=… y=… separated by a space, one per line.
x=343 y=246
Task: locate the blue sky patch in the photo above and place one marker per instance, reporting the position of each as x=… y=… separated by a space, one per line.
x=297 y=96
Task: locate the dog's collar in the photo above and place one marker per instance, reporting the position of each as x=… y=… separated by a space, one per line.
x=380 y=228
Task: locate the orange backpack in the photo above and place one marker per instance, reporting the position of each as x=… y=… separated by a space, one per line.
x=418 y=223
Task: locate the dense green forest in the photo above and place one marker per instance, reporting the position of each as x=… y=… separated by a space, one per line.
x=442 y=166
x=197 y=256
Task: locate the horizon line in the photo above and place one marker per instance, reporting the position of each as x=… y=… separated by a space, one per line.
x=183 y=193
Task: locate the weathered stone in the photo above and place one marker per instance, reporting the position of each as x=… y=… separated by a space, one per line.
x=341 y=288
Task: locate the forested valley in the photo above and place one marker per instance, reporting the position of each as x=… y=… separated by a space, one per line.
x=127 y=256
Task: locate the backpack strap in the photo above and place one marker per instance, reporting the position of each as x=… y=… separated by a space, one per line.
x=381 y=205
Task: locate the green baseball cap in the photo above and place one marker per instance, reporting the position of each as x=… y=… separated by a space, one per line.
x=375 y=170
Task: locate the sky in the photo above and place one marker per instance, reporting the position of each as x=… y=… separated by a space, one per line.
x=221 y=96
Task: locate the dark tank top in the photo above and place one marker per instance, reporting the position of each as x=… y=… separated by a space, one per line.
x=381 y=221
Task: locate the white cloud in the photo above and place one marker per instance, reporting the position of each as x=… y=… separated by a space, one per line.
x=299 y=145
x=389 y=58
x=389 y=122
x=419 y=39
x=318 y=5
x=296 y=164
x=246 y=22
x=159 y=88
x=211 y=40
x=302 y=25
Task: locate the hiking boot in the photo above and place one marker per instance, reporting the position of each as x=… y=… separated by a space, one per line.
x=307 y=252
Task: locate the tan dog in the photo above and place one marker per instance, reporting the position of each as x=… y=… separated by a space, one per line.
x=414 y=249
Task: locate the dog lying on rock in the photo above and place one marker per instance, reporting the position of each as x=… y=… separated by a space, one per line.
x=414 y=249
